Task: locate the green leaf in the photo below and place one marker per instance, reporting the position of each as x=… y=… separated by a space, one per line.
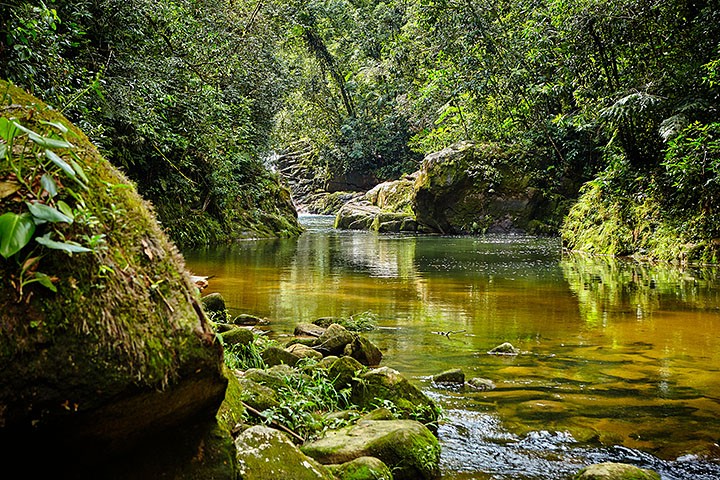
x=79 y=170
x=45 y=213
x=15 y=232
x=3 y=151
x=65 y=246
x=63 y=129
x=45 y=281
x=49 y=185
x=43 y=141
x=65 y=208
x=64 y=166
x=7 y=129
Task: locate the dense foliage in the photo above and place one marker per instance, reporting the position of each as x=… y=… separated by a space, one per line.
x=187 y=95
x=179 y=94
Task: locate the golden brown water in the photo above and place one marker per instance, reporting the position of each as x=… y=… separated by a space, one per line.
x=620 y=362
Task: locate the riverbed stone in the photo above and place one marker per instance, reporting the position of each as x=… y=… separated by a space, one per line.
x=615 y=471
x=364 y=351
x=408 y=447
x=371 y=388
x=478 y=383
x=454 y=377
x=308 y=330
x=264 y=453
x=237 y=336
x=248 y=320
x=274 y=355
x=333 y=340
x=506 y=348
x=304 y=351
x=362 y=468
x=255 y=395
x=214 y=303
x=343 y=371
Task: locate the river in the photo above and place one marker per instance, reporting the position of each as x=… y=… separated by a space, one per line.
x=619 y=362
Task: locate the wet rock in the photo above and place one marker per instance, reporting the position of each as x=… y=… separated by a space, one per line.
x=381 y=413
x=478 y=383
x=264 y=453
x=333 y=340
x=303 y=351
x=327 y=362
x=504 y=349
x=249 y=320
x=615 y=471
x=213 y=303
x=259 y=397
x=407 y=447
x=237 y=336
x=343 y=371
x=454 y=377
x=308 y=330
x=362 y=468
x=364 y=351
x=390 y=385
x=275 y=356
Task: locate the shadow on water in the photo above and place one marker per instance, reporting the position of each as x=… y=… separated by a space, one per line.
x=619 y=361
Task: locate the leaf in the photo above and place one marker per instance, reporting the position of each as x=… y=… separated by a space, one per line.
x=63 y=129
x=8 y=188
x=15 y=232
x=65 y=208
x=65 y=246
x=78 y=169
x=7 y=129
x=45 y=281
x=3 y=150
x=45 y=213
x=49 y=185
x=43 y=141
x=64 y=166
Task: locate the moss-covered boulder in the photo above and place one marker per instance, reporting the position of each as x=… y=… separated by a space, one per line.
x=464 y=188
x=333 y=340
x=237 y=336
x=406 y=446
x=615 y=471
x=274 y=355
x=267 y=454
x=364 y=351
x=343 y=371
x=454 y=376
x=386 y=384
x=256 y=395
x=362 y=468
x=103 y=340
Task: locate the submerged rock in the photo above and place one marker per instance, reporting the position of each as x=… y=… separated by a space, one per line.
x=504 y=349
x=615 y=471
x=478 y=383
x=406 y=446
x=264 y=453
x=450 y=377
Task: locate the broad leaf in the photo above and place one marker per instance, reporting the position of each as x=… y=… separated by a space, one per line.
x=45 y=213
x=15 y=232
x=57 y=125
x=64 y=166
x=65 y=246
x=7 y=129
x=79 y=170
x=49 y=185
x=45 y=281
x=65 y=208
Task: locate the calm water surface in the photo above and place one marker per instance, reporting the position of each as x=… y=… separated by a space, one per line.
x=620 y=362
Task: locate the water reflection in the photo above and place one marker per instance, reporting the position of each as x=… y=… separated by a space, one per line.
x=618 y=358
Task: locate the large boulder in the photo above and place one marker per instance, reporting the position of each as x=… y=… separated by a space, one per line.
x=268 y=454
x=407 y=447
x=362 y=468
x=464 y=188
x=104 y=344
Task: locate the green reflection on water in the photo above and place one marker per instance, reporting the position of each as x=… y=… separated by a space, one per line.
x=614 y=352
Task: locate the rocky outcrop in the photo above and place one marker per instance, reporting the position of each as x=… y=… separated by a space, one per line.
x=407 y=447
x=104 y=344
x=465 y=188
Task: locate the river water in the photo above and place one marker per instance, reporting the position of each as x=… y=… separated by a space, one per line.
x=619 y=362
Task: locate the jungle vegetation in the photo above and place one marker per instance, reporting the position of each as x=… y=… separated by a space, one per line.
x=612 y=102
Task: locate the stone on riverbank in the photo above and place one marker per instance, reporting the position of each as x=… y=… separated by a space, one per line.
x=387 y=384
x=333 y=340
x=362 y=468
x=264 y=453
x=214 y=304
x=237 y=336
x=364 y=351
x=406 y=446
x=615 y=471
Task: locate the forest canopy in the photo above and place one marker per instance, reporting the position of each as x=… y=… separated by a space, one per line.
x=193 y=98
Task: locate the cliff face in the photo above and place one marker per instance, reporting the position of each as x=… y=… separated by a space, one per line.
x=102 y=339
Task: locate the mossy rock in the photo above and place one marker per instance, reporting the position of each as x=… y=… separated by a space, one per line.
x=334 y=339
x=276 y=356
x=111 y=346
x=406 y=446
x=454 y=376
x=615 y=471
x=364 y=351
x=255 y=395
x=387 y=384
x=343 y=371
x=362 y=468
x=267 y=454
x=237 y=336
x=214 y=303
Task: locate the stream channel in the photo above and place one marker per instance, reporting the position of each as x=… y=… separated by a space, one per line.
x=620 y=361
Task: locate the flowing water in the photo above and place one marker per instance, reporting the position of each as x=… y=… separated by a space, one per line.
x=619 y=362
